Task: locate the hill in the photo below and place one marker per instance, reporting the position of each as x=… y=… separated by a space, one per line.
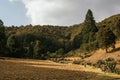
x=102 y=55
x=113 y=23
x=48 y=41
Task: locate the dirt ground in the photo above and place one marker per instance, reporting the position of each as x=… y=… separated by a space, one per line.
x=19 y=69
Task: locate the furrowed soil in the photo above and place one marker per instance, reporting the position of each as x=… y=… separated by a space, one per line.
x=20 y=69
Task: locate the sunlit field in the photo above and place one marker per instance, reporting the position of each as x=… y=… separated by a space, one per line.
x=20 y=69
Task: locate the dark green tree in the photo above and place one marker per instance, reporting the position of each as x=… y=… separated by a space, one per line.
x=88 y=33
x=68 y=46
x=77 y=41
x=2 y=37
x=12 y=45
x=89 y=30
x=37 y=50
x=117 y=29
x=59 y=52
x=29 y=50
x=106 y=38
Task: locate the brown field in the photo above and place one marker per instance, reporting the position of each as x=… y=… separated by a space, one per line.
x=20 y=69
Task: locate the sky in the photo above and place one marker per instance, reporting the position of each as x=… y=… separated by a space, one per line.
x=55 y=12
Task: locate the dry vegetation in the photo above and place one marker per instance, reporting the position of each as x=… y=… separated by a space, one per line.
x=15 y=69
x=102 y=55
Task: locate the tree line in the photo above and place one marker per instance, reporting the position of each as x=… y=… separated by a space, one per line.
x=43 y=42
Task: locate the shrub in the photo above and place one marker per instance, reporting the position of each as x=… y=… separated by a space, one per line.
x=110 y=59
x=99 y=63
x=111 y=64
x=76 y=62
x=117 y=71
x=89 y=63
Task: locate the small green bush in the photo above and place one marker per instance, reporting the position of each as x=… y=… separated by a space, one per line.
x=117 y=71
x=111 y=64
x=99 y=63
x=110 y=59
x=76 y=62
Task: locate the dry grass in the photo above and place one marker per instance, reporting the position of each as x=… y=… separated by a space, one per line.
x=101 y=54
x=46 y=70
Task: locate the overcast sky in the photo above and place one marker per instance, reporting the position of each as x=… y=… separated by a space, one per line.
x=55 y=12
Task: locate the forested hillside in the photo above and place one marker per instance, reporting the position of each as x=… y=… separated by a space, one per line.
x=55 y=41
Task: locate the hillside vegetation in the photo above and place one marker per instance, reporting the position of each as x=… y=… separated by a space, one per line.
x=47 y=41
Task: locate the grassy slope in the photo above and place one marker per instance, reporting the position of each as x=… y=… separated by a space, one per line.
x=101 y=54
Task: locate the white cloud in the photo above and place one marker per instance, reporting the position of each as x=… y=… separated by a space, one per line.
x=68 y=12
x=13 y=0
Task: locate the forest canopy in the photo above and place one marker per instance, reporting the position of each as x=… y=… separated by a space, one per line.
x=48 y=41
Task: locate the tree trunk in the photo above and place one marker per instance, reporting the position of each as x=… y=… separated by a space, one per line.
x=106 y=50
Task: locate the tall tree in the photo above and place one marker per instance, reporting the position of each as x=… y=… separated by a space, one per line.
x=2 y=37
x=89 y=29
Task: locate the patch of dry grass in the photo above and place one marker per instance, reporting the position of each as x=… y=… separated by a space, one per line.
x=44 y=70
x=102 y=55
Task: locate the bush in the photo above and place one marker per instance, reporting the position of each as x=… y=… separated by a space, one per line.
x=99 y=63
x=111 y=64
x=110 y=59
x=117 y=71
x=76 y=62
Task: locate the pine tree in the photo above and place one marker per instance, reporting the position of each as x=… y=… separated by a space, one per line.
x=2 y=37
x=89 y=23
x=89 y=29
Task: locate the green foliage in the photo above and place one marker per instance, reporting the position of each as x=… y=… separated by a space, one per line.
x=60 y=52
x=87 y=37
x=113 y=23
x=16 y=50
x=11 y=43
x=117 y=71
x=77 y=41
x=59 y=40
x=2 y=37
x=89 y=23
x=37 y=50
x=106 y=38
x=110 y=64
x=68 y=46
x=29 y=51
x=99 y=63
x=93 y=45
x=76 y=62
x=85 y=47
x=110 y=59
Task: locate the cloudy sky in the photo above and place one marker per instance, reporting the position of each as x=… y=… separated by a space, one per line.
x=55 y=12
